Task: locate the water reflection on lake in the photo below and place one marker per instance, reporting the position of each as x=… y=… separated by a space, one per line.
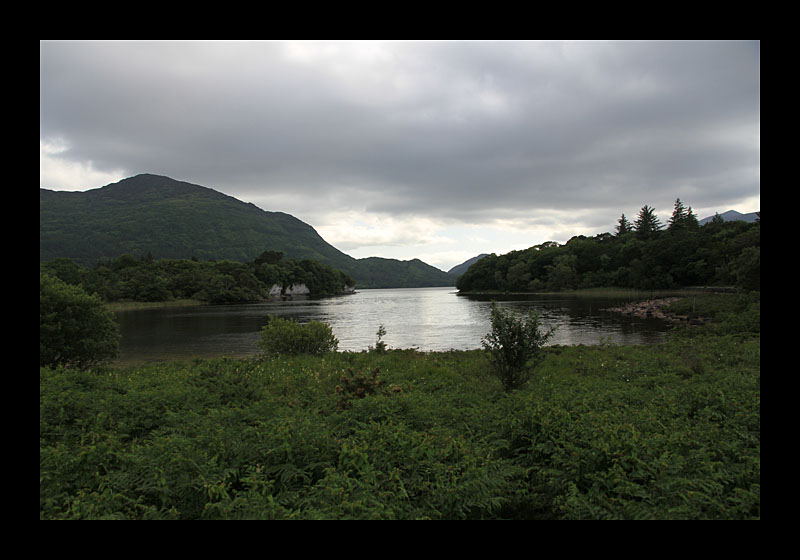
x=422 y=318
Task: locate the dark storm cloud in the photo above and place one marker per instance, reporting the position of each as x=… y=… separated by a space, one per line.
x=451 y=129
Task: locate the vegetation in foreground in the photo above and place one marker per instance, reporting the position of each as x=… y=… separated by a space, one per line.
x=668 y=431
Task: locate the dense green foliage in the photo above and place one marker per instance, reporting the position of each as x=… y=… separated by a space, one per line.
x=155 y=215
x=169 y=219
x=667 y=431
x=514 y=346
x=130 y=279
x=643 y=256
x=287 y=337
x=75 y=329
x=731 y=314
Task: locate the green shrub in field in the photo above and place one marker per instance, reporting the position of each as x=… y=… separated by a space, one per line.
x=514 y=346
x=358 y=386
x=75 y=329
x=380 y=345
x=287 y=336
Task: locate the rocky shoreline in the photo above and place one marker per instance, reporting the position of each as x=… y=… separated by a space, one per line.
x=652 y=308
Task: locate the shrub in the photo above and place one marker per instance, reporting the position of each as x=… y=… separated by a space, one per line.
x=380 y=345
x=75 y=329
x=287 y=336
x=356 y=385
x=514 y=346
x=747 y=269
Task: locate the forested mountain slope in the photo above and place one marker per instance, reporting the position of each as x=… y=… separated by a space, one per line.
x=158 y=216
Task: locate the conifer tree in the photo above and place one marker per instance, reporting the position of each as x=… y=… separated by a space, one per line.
x=623 y=226
x=691 y=219
x=679 y=215
x=647 y=223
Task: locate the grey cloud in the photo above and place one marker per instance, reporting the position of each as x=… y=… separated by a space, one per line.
x=452 y=129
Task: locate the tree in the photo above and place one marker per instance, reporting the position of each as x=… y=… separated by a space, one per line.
x=124 y=261
x=514 y=346
x=380 y=345
x=64 y=269
x=146 y=284
x=679 y=215
x=682 y=218
x=691 y=219
x=269 y=257
x=561 y=274
x=647 y=223
x=518 y=276
x=75 y=329
x=747 y=269
x=623 y=226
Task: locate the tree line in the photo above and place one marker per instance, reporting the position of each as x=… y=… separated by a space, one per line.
x=643 y=254
x=145 y=279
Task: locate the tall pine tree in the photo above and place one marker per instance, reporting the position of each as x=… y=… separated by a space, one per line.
x=691 y=219
x=679 y=216
x=647 y=223
x=682 y=217
x=623 y=226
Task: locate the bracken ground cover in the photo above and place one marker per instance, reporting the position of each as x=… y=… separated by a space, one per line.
x=667 y=431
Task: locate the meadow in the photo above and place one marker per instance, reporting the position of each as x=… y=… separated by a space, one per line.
x=666 y=431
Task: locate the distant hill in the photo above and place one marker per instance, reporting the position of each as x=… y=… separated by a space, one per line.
x=732 y=216
x=157 y=215
x=460 y=269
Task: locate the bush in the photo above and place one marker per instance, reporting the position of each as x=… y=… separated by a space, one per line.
x=380 y=345
x=747 y=269
x=356 y=385
x=514 y=346
x=287 y=336
x=75 y=329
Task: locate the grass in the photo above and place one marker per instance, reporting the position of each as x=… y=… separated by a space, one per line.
x=666 y=431
x=714 y=306
x=132 y=305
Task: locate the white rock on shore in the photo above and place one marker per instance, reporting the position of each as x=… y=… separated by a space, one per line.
x=277 y=290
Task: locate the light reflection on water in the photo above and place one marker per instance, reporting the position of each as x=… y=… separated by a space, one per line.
x=428 y=319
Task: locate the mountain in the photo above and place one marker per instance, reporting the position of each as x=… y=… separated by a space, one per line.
x=179 y=220
x=732 y=216
x=460 y=269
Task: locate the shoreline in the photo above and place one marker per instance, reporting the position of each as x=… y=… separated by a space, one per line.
x=653 y=309
x=606 y=292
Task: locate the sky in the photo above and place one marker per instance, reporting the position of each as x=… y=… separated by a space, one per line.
x=437 y=150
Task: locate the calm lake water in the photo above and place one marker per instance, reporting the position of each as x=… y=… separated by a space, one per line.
x=423 y=318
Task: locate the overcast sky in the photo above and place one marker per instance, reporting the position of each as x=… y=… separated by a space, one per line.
x=435 y=150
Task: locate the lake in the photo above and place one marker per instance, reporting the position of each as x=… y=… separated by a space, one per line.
x=427 y=319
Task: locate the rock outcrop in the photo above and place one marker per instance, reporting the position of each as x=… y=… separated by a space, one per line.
x=277 y=291
x=652 y=309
